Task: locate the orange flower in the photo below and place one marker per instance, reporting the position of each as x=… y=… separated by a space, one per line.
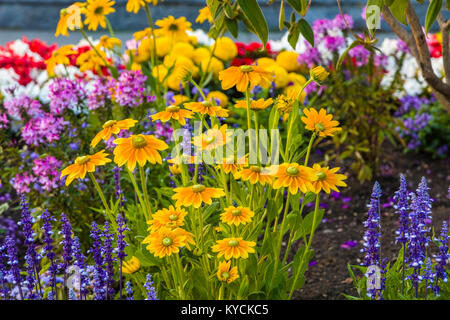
x=320 y=122
x=237 y=215
x=84 y=164
x=325 y=179
x=233 y=248
x=112 y=127
x=170 y=218
x=226 y=273
x=255 y=105
x=165 y=242
x=244 y=77
x=293 y=176
x=206 y=107
x=213 y=138
x=195 y=195
x=257 y=174
x=140 y=148
x=173 y=112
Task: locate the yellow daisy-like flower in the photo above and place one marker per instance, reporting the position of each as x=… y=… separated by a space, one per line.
x=109 y=42
x=131 y=266
x=244 y=77
x=226 y=49
x=189 y=237
x=90 y=60
x=284 y=103
x=237 y=215
x=226 y=273
x=179 y=99
x=96 y=10
x=112 y=127
x=206 y=107
x=59 y=56
x=170 y=218
x=204 y=14
x=213 y=138
x=255 y=105
x=140 y=148
x=135 y=5
x=174 y=28
x=293 y=176
x=233 y=248
x=233 y=165
x=195 y=195
x=318 y=74
x=288 y=60
x=325 y=179
x=257 y=174
x=69 y=19
x=320 y=122
x=83 y=165
x=173 y=112
x=165 y=242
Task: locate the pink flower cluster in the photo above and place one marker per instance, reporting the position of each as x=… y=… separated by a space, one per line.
x=44 y=129
x=45 y=176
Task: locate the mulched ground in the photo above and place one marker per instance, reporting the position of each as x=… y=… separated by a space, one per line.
x=328 y=277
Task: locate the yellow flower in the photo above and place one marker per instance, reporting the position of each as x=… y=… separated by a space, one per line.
x=165 y=242
x=293 y=176
x=174 y=28
x=109 y=43
x=204 y=14
x=135 y=5
x=112 y=127
x=214 y=65
x=255 y=105
x=318 y=74
x=296 y=79
x=226 y=49
x=284 y=103
x=265 y=62
x=131 y=266
x=175 y=169
x=173 y=112
x=244 y=77
x=237 y=215
x=326 y=179
x=288 y=60
x=90 y=60
x=84 y=164
x=219 y=97
x=280 y=75
x=206 y=107
x=201 y=54
x=195 y=195
x=320 y=122
x=183 y=49
x=96 y=10
x=170 y=218
x=213 y=138
x=59 y=56
x=140 y=148
x=257 y=174
x=226 y=273
x=69 y=18
x=233 y=248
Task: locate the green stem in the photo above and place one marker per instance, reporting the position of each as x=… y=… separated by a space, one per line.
x=138 y=192
x=309 y=148
x=145 y=192
x=308 y=246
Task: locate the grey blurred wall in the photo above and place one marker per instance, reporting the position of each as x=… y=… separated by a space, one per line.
x=44 y=14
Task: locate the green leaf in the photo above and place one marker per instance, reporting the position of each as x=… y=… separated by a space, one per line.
x=373 y=14
x=306 y=31
x=432 y=12
x=294 y=33
x=447 y=4
x=253 y=12
x=232 y=26
x=296 y=5
x=281 y=16
x=398 y=9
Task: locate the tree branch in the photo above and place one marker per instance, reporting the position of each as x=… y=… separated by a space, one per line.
x=424 y=54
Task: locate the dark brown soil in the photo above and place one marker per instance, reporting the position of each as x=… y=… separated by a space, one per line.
x=328 y=277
